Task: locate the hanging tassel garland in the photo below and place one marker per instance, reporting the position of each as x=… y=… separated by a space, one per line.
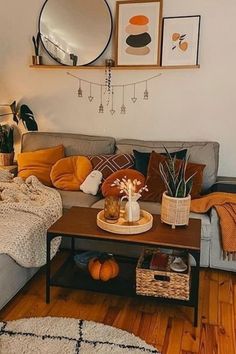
x=109 y=91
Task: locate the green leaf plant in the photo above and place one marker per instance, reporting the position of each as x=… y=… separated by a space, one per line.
x=22 y=113
x=6 y=138
x=176 y=183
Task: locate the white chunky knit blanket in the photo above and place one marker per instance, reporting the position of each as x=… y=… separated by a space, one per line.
x=27 y=210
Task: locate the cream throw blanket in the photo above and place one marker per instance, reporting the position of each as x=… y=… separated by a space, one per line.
x=27 y=210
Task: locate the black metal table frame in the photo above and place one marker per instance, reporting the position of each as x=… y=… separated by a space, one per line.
x=194 y=289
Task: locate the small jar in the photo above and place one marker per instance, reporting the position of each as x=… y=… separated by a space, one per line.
x=112 y=209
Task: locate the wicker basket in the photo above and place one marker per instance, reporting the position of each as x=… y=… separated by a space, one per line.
x=175 y=211
x=6 y=159
x=158 y=283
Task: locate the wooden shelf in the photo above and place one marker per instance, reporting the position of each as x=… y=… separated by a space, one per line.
x=94 y=67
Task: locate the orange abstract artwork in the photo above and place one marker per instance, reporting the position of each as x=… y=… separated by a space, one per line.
x=182 y=44
x=138 y=36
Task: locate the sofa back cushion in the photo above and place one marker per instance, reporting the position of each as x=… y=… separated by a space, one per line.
x=74 y=144
x=206 y=153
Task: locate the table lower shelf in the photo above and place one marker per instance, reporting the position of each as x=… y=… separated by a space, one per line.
x=71 y=276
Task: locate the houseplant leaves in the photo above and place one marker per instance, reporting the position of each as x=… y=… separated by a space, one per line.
x=13 y=107
x=27 y=117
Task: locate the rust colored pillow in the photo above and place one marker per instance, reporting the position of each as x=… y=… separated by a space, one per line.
x=107 y=164
x=39 y=163
x=107 y=189
x=69 y=173
x=155 y=184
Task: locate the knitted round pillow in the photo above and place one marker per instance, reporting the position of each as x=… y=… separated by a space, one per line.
x=69 y=173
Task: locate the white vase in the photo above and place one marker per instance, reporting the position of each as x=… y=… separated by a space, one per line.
x=132 y=208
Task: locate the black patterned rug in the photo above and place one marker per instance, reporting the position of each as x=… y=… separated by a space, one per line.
x=57 y=335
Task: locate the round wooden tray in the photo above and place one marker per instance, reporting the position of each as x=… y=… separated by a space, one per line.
x=124 y=227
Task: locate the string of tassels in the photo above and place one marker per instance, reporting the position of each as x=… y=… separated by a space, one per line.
x=81 y=83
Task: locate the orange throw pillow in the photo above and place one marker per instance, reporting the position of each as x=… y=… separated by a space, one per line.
x=155 y=184
x=39 y=163
x=69 y=173
x=108 y=189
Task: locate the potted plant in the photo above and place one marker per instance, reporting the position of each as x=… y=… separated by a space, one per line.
x=23 y=113
x=37 y=58
x=6 y=145
x=176 y=199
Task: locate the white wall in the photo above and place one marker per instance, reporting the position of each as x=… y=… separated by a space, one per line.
x=184 y=104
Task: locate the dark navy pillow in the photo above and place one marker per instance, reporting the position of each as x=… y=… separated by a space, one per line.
x=141 y=159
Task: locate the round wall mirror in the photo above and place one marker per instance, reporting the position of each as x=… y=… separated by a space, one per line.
x=75 y=32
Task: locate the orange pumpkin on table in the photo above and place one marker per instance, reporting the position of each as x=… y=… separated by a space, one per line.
x=103 y=268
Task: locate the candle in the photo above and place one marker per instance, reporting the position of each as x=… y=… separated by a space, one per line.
x=130 y=201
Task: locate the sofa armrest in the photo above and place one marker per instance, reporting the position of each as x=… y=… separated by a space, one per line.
x=224 y=184
x=213 y=216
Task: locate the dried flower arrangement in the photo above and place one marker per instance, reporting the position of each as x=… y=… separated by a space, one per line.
x=129 y=187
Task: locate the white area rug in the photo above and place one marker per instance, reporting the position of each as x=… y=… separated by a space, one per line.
x=54 y=335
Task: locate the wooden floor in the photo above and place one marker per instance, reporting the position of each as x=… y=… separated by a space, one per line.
x=168 y=328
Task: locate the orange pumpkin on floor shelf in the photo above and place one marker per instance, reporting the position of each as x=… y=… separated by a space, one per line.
x=103 y=268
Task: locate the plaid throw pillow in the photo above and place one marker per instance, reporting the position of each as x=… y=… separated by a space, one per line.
x=107 y=164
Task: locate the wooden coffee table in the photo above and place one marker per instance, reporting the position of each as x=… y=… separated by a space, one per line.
x=80 y=223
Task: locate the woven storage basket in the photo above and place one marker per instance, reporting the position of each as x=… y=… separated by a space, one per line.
x=175 y=211
x=159 y=283
x=6 y=159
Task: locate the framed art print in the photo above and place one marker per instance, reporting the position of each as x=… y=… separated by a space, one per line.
x=138 y=32
x=180 y=40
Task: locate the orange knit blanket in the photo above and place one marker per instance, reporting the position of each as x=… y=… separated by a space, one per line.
x=225 y=205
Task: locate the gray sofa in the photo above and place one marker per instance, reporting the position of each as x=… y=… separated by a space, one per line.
x=13 y=277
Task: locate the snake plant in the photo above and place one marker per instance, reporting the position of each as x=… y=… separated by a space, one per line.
x=36 y=42
x=174 y=178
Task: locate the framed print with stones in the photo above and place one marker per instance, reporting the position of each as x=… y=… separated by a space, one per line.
x=138 y=32
x=180 y=41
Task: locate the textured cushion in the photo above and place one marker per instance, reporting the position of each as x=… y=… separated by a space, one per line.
x=75 y=144
x=39 y=163
x=107 y=164
x=141 y=159
x=68 y=173
x=155 y=184
x=202 y=152
x=108 y=189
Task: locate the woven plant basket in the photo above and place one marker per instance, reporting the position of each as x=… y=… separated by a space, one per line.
x=159 y=283
x=6 y=159
x=175 y=211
